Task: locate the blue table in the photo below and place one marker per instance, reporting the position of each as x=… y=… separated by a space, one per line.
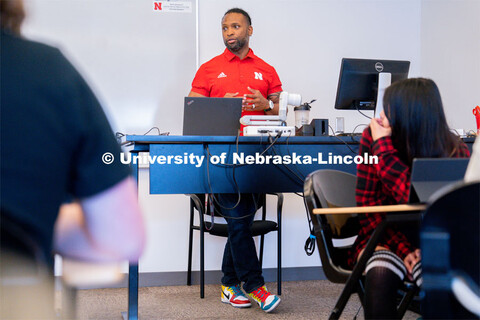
x=185 y=175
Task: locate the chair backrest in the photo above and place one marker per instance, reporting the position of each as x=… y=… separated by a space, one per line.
x=450 y=242
x=199 y=202
x=329 y=189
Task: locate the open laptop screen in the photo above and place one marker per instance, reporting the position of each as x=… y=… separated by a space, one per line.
x=431 y=174
x=211 y=116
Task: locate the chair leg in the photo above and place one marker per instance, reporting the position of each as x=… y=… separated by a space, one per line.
x=279 y=260
x=260 y=255
x=198 y=205
x=202 y=263
x=279 y=243
x=262 y=237
x=406 y=300
x=69 y=298
x=352 y=282
x=190 y=245
x=342 y=300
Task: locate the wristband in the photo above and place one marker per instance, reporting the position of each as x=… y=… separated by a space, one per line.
x=270 y=106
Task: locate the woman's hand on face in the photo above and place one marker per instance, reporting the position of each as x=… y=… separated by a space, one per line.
x=411 y=260
x=380 y=127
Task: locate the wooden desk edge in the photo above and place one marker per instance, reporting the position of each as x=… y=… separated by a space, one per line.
x=372 y=209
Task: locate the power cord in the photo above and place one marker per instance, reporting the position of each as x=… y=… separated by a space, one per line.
x=120 y=136
x=233 y=165
x=223 y=165
x=363 y=114
x=294 y=165
x=344 y=142
x=214 y=199
x=358 y=125
x=295 y=175
x=359 y=308
x=471 y=134
x=310 y=242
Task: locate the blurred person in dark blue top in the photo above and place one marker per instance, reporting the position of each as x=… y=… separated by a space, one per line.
x=53 y=134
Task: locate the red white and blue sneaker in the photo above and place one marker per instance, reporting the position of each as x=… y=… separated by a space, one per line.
x=235 y=296
x=265 y=299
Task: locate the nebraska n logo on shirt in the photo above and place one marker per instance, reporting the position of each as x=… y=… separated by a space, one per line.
x=222 y=75
x=258 y=75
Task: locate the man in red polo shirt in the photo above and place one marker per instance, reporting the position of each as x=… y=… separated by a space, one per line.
x=238 y=72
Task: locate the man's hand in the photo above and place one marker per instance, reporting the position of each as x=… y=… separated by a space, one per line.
x=411 y=260
x=380 y=127
x=231 y=95
x=254 y=101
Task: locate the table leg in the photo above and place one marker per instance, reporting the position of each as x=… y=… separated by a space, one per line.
x=133 y=292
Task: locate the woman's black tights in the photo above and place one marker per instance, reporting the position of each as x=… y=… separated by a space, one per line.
x=385 y=272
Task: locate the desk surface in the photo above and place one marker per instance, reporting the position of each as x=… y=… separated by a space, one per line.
x=371 y=209
x=158 y=139
x=154 y=139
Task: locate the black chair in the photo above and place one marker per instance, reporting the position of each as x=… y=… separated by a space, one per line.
x=330 y=189
x=259 y=228
x=450 y=242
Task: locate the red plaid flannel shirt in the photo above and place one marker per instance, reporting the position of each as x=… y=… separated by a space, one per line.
x=385 y=183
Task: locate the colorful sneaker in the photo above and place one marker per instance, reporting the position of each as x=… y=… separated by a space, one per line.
x=235 y=296
x=265 y=299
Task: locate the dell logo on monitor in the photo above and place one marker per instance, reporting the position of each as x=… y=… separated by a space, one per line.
x=379 y=66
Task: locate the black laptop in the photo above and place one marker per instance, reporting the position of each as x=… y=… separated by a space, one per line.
x=211 y=116
x=432 y=174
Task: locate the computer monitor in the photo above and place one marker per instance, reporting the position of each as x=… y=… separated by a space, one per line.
x=358 y=84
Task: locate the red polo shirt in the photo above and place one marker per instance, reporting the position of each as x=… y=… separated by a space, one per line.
x=226 y=73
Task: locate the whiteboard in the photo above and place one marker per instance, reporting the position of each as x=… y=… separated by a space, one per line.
x=140 y=62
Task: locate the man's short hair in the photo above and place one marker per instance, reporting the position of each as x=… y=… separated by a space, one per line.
x=241 y=11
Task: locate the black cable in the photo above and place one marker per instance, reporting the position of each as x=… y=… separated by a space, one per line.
x=236 y=218
x=300 y=179
x=294 y=165
x=359 y=308
x=272 y=143
x=120 y=135
x=310 y=245
x=223 y=165
x=271 y=146
x=358 y=125
x=237 y=188
x=159 y=133
x=215 y=200
x=363 y=114
x=284 y=165
x=310 y=242
x=233 y=165
x=355 y=153
x=471 y=133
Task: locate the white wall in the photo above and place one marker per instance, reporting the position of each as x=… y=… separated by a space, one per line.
x=119 y=46
x=451 y=56
x=135 y=59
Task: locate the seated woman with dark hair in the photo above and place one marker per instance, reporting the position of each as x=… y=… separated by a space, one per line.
x=413 y=125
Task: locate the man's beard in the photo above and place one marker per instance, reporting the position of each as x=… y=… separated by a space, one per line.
x=237 y=46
